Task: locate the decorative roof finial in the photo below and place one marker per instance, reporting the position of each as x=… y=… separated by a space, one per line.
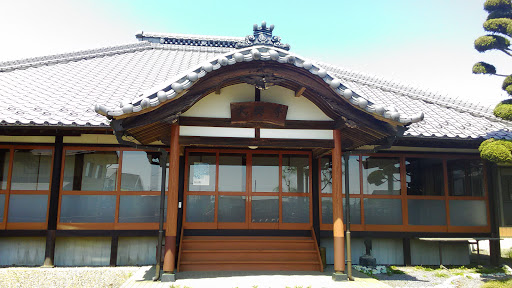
x=262 y=36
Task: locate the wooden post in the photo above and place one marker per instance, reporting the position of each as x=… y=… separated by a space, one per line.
x=114 y=242
x=53 y=208
x=337 y=206
x=172 y=201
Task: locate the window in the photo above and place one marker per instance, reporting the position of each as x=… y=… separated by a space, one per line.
x=100 y=184
x=424 y=176
x=381 y=175
x=465 y=177
x=24 y=196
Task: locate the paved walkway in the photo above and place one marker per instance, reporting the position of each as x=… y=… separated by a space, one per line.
x=252 y=279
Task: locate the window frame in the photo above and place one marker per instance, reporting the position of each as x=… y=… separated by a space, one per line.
x=404 y=197
x=116 y=225
x=5 y=225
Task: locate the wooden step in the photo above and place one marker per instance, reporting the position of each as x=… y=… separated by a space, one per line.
x=249 y=243
x=246 y=253
x=250 y=266
x=249 y=255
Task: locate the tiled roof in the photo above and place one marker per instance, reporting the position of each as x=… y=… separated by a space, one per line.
x=62 y=90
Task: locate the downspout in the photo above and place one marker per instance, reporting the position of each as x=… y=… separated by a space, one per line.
x=163 y=164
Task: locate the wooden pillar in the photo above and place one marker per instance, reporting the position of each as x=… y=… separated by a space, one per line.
x=53 y=208
x=172 y=201
x=114 y=242
x=337 y=205
x=407 y=251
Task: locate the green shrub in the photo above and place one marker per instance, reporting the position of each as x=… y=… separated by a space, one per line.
x=497 y=151
x=483 y=68
x=494 y=5
x=489 y=42
x=503 y=111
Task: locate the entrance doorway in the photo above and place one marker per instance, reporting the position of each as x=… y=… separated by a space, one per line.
x=248 y=189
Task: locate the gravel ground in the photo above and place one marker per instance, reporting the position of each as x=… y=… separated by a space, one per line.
x=65 y=277
x=449 y=278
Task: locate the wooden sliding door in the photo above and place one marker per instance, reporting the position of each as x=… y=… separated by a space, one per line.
x=247 y=189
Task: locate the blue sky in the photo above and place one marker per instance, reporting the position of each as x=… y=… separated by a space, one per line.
x=423 y=43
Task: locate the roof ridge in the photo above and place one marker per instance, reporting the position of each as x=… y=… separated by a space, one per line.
x=72 y=56
x=143 y=34
x=416 y=92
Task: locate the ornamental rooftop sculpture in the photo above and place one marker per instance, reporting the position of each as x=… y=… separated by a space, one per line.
x=262 y=36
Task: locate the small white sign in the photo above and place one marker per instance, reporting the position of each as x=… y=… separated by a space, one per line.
x=201 y=174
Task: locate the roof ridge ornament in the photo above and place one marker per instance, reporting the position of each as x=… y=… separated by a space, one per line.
x=262 y=36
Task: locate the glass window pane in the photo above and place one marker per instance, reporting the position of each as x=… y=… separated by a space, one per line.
x=232 y=172
x=424 y=176
x=90 y=170
x=202 y=167
x=231 y=209
x=426 y=212
x=265 y=173
x=4 y=168
x=355 y=210
x=296 y=209
x=468 y=213
x=27 y=208
x=326 y=175
x=31 y=169
x=506 y=195
x=200 y=208
x=139 y=174
x=139 y=208
x=2 y=205
x=381 y=175
x=353 y=172
x=383 y=211
x=295 y=177
x=265 y=209
x=465 y=177
x=326 y=210
x=88 y=209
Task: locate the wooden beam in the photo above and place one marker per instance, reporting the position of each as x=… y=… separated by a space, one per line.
x=226 y=122
x=299 y=92
x=262 y=142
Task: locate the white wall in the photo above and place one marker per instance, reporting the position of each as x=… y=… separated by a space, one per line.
x=22 y=251
x=427 y=253
x=136 y=251
x=218 y=105
x=386 y=251
x=82 y=251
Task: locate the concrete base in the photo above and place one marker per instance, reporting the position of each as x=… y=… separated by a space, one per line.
x=338 y=276
x=168 y=277
x=48 y=266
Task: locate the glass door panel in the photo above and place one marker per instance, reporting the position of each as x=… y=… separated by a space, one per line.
x=265 y=173
x=246 y=189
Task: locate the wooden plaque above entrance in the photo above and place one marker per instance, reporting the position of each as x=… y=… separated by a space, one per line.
x=258 y=112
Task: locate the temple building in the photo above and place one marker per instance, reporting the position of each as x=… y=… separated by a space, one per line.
x=255 y=149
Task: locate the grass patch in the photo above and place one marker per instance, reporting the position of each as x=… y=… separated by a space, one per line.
x=489 y=270
x=504 y=283
x=424 y=268
x=441 y=275
x=391 y=270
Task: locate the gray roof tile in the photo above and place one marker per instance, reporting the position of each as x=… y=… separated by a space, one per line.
x=62 y=89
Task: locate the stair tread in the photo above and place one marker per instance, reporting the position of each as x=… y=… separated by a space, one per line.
x=249 y=262
x=249 y=250
x=247 y=237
